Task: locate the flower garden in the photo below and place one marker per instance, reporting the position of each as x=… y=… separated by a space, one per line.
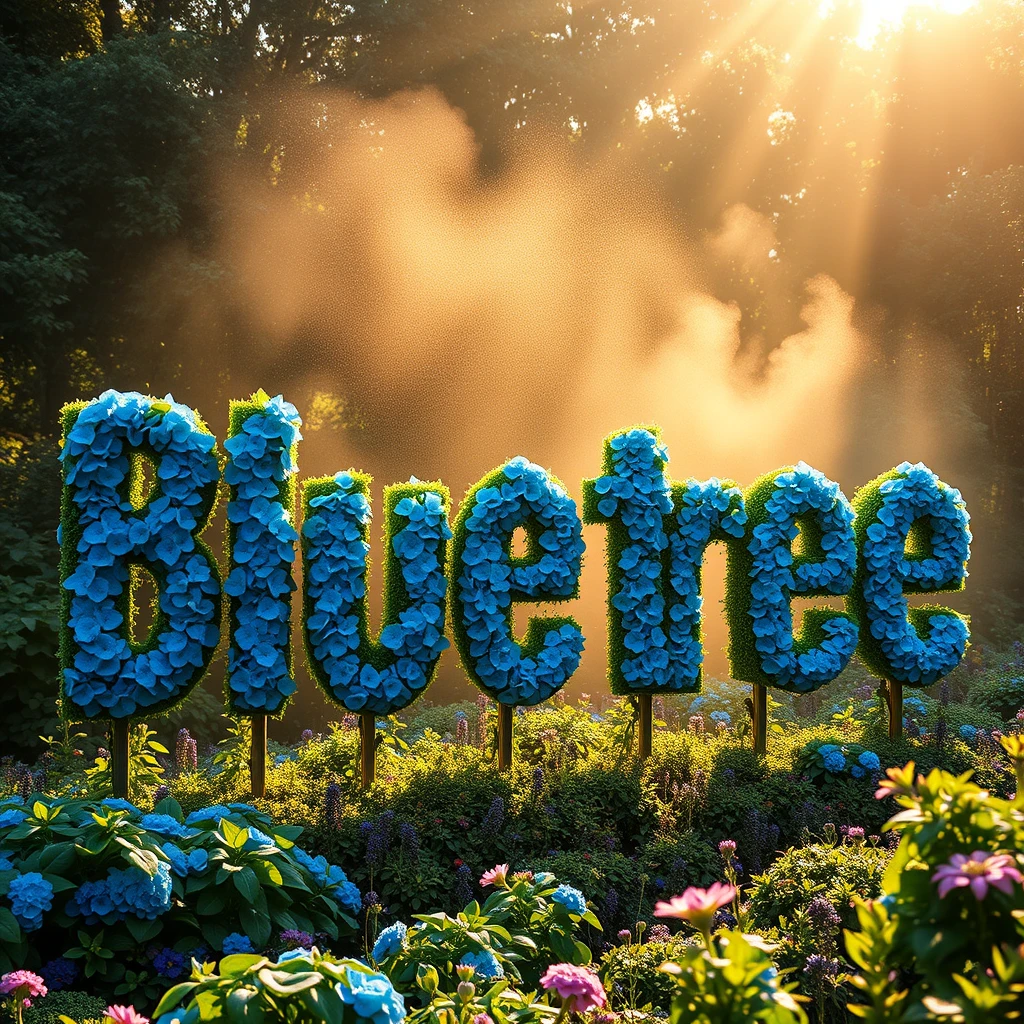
x=683 y=848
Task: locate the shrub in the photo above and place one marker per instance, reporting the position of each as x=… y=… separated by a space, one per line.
x=838 y=871
x=633 y=977
x=303 y=984
x=79 y=1006
x=953 y=901
x=127 y=895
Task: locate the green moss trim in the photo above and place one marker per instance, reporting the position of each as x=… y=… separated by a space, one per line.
x=867 y=501
x=744 y=660
x=538 y=626
x=71 y=533
x=396 y=597
x=287 y=493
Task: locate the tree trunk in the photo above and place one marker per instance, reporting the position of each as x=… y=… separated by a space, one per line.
x=110 y=19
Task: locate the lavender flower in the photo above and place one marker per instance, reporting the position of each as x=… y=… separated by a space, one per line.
x=332 y=805
x=493 y=820
x=410 y=841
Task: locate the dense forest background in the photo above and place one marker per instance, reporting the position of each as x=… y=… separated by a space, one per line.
x=451 y=231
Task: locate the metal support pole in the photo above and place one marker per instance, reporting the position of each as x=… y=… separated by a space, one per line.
x=760 y=723
x=258 y=756
x=119 y=756
x=504 y=737
x=367 y=748
x=894 y=698
x=646 y=726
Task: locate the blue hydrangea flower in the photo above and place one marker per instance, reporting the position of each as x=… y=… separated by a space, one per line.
x=372 y=997
x=570 y=898
x=299 y=953
x=179 y=862
x=236 y=942
x=257 y=839
x=11 y=817
x=720 y=716
x=30 y=895
x=5 y=860
x=169 y=963
x=60 y=973
x=489 y=580
x=348 y=896
x=179 y=1016
x=968 y=733
x=104 y=677
x=776 y=575
x=208 y=815
x=869 y=759
x=115 y=803
x=857 y=771
x=198 y=861
x=262 y=551
x=390 y=941
x=335 y=582
x=484 y=962
x=165 y=825
x=915 y=493
x=834 y=761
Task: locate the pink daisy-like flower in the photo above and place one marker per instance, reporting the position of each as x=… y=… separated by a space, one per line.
x=483 y=1018
x=496 y=875
x=979 y=871
x=697 y=906
x=125 y=1015
x=14 y=981
x=579 y=989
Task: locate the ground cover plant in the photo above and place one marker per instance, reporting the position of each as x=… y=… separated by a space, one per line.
x=461 y=890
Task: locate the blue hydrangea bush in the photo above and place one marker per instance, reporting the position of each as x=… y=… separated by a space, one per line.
x=823 y=759
x=655 y=637
x=262 y=444
x=363 y=675
x=111 y=530
x=97 y=889
x=489 y=579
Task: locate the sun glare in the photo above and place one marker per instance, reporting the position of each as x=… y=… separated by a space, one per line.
x=880 y=15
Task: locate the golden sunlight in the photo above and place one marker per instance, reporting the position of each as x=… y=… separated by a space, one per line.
x=879 y=15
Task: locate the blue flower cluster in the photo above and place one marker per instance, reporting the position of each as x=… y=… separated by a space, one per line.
x=917 y=493
x=105 y=677
x=520 y=493
x=775 y=576
x=372 y=997
x=484 y=962
x=332 y=878
x=571 y=898
x=708 y=510
x=30 y=895
x=165 y=825
x=124 y=892
x=968 y=733
x=390 y=941
x=11 y=817
x=262 y=551
x=638 y=493
x=835 y=759
x=335 y=571
x=236 y=942
x=194 y=862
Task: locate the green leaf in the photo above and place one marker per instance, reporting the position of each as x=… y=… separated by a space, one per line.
x=238 y=964
x=10 y=930
x=247 y=884
x=175 y=997
x=143 y=931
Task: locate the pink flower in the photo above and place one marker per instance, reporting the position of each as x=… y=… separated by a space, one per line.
x=483 y=1018
x=125 y=1015
x=697 y=906
x=496 y=876
x=978 y=871
x=579 y=989
x=23 y=984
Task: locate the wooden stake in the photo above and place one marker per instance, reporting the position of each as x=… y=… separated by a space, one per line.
x=504 y=737
x=760 y=723
x=367 y=748
x=894 y=698
x=119 y=757
x=646 y=726
x=258 y=756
